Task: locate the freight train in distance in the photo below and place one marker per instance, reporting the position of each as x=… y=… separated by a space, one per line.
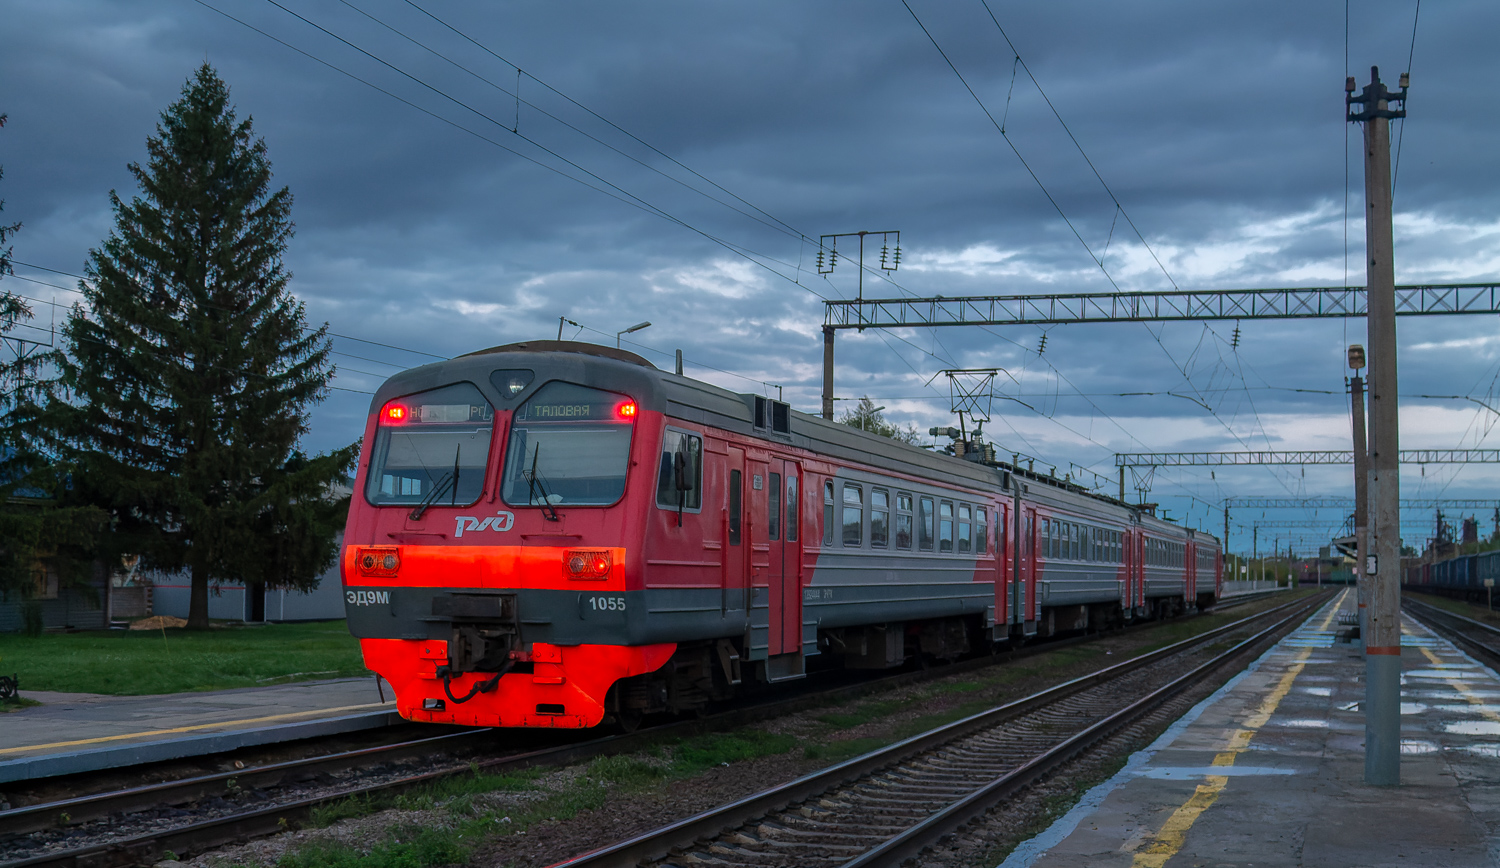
x=557 y=534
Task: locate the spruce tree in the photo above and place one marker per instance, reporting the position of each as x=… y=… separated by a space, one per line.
x=190 y=368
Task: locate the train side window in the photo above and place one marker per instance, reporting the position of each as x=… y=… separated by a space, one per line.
x=903 y=520
x=981 y=530
x=828 y=513
x=1073 y=541
x=854 y=515
x=945 y=526
x=965 y=528
x=690 y=447
x=735 y=499
x=924 y=527
x=1046 y=537
x=793 y=509
x=773 y=507
x=880 y=518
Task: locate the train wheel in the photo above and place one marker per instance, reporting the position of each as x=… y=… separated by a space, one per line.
x=628 y=720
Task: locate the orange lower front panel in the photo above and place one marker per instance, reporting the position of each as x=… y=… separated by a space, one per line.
x=565 y=690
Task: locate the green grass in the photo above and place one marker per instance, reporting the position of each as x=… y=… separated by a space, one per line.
x=468 y=820
x=1477 y=611
x=141 y=662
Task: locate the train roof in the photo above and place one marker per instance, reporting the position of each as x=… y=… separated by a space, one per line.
x=694 y=401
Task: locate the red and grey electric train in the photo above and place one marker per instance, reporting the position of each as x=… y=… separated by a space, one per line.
x=555 y=534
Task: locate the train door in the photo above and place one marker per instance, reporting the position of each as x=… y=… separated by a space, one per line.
x=1190 y=564
x=1004 y=558
x=1138 y=574
x=733 y=522
x=1026 y=588
x=783 y=533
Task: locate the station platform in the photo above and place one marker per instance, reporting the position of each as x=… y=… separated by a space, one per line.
x=1269 y=770
x=78 y=732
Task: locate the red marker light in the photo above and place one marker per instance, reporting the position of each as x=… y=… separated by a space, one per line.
x=394 y=413
x=626 y=410
x=587 y=564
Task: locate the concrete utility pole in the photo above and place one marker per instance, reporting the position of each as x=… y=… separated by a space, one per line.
x=1361 y=501
x=828 y=372
x=1382 y=705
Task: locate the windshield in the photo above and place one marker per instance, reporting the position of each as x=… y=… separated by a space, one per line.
x=569 y=446
x=431 y=448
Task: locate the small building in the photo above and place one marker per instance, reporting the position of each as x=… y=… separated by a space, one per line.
x=62 y=606
x=230 y=601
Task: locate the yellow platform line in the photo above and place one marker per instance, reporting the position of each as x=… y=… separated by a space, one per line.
x=1165 y=844
x=1458 y=684
x=180 y=729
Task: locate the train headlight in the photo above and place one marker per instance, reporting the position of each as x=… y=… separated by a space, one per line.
x=384 y=561
x=587 y=563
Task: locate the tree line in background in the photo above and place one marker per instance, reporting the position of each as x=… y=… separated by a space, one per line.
x=165 y=422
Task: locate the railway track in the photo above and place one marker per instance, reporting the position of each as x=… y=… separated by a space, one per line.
x=136 y=825
x=1477 y=636
x=889 y=805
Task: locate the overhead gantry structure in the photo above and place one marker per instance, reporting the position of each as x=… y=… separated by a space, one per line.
x=1329 y=302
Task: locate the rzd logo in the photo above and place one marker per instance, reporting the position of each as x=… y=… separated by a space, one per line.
x=368 y=598
x=500 y=521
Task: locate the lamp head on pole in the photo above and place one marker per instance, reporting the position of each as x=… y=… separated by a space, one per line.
x=1356 y=356
x=635 y=328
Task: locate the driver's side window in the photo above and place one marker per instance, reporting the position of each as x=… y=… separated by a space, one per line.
x=681 y=455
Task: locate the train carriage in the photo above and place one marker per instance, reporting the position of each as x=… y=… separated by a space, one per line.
x=557 y=534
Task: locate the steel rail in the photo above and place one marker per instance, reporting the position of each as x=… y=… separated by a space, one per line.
x=41 y=816
x=659 y=844
x=1428 y=612
x=909 y=844
x=197 y=837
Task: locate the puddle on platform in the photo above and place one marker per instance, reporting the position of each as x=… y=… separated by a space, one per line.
x=1446 y=674
x=1406 y=707
x=1304 y=723
x=1316 y=691
x=1175 y=774
x=1490 y=751
x=1450 y=695
x=1472 y=727
x=1469 y=708
x=1417 y=747
x=1453 y=666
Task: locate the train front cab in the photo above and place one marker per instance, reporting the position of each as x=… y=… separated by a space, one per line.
x=492 y=558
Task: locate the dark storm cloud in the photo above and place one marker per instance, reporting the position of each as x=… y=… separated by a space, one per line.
x=1219 y=128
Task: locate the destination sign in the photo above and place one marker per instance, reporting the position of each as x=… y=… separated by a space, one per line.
x=569 y=411
x=567 y=402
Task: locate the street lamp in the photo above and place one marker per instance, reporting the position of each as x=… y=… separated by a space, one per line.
x=864 y=423
x=635 y=328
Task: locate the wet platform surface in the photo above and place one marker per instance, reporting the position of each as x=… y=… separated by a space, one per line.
x=1269 y=771
x=72 y=732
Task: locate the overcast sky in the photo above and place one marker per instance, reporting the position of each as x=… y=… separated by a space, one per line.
x=677 y=162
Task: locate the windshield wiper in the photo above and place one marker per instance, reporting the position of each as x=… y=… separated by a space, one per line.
x=437 y=492
x=534 y=484
x=449 y=480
